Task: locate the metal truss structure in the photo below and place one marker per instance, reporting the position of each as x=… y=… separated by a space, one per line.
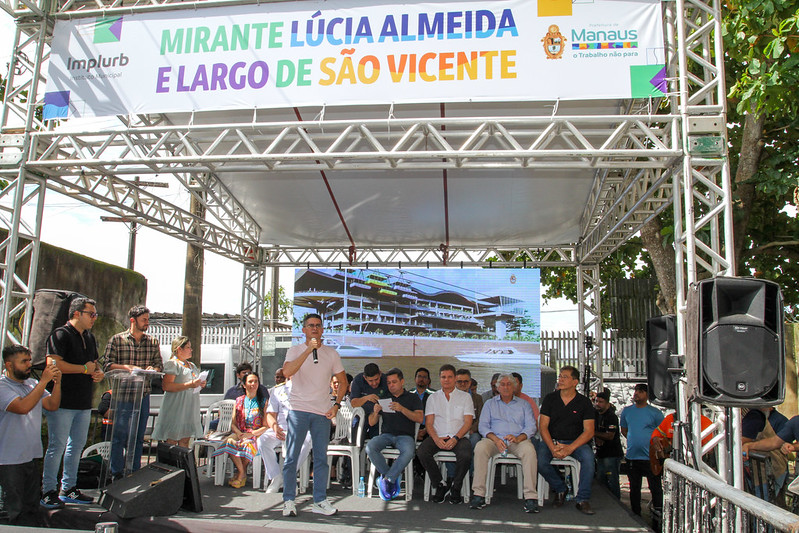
x=252 y=313
x=643 y=162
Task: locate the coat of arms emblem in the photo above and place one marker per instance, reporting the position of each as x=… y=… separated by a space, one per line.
x=554 y=43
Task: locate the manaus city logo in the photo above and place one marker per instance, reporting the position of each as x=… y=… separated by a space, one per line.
x=554 y=42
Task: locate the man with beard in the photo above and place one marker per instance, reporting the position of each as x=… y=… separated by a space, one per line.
x=131 y=350
x=608 y=444
x=21 y=402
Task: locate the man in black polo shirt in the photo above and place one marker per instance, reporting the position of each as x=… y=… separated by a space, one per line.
x=367 y=389
x=404 y=411
x=567 y=427
x=608 y=444
x=74 y=350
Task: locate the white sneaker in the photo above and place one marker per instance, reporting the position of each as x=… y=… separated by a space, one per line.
x=324 y=507
x=289 y=509
x=275 y=484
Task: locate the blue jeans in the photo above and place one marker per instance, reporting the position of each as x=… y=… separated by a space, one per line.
x=584 y=455
x=407 y=449
x=300 y=424
x=607 y=473
x=66 y=432
x=121 y=434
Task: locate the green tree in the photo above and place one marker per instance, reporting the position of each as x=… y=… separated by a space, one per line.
x=285 y=307
x=762 y=76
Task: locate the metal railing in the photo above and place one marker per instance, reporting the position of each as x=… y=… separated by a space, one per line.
x=694 y=502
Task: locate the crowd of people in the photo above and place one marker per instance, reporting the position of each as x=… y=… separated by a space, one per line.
x=296 y=417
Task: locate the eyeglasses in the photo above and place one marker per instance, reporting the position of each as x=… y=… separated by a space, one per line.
x=90 y=313
x=463 y=381
x=312 y=326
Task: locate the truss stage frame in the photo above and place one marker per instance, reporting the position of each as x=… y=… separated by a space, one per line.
x=643 y=161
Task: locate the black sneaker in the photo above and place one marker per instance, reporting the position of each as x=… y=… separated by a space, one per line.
x=50 y=501
x=530 y=506
x=478 y=502
x=441 y=493
x=455 y=498
x=73 y=495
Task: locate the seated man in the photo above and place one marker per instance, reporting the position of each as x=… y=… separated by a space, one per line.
x=758 y=433
x=367 y=389
x=243 y=369
x=507 y=423
x=397 y=431
x=448 y=419
x=277 y=420
x=566 y=428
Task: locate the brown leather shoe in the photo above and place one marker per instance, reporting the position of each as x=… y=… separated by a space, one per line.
x=585 y=508
x=560 y=499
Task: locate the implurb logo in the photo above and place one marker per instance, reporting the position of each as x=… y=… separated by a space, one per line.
x=107 y=30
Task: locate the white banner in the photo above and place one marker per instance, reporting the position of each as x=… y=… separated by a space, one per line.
x=335 y=52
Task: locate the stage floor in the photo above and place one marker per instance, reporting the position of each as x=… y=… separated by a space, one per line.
x=228 y=509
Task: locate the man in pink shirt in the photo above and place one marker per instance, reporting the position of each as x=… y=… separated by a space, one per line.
x=310 y=366
x=518 y=392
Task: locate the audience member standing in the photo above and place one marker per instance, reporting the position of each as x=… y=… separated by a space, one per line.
x=21 y=402
x=637 y=422
x=608 y=444
x=74 y=349
x=131 y=350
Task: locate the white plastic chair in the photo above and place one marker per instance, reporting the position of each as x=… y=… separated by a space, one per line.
x=568 y=463
x=103 y=449
x=343 y=425
x=392 y=454
x=225 y=409
x=304 y=471
x=442 y=457
x=499 y=460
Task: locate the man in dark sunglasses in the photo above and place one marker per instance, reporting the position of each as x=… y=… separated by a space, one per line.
x=73 y=349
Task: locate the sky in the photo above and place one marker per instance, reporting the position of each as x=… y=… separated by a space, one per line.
x=161 y=259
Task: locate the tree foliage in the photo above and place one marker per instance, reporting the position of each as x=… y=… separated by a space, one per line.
x=285 y=307
x=761 y=39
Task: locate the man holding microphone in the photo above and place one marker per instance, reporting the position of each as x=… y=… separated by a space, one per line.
x=310 y=366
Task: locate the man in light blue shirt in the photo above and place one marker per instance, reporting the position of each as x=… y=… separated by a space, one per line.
x=507 y=423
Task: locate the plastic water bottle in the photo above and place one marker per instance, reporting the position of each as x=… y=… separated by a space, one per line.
x=361 y=488
x=569 y=488
x=505 y=451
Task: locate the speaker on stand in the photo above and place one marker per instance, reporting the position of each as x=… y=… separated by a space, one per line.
x=663 y=364
x=736 y=346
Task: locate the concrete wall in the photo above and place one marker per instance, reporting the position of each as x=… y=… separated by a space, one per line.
x=115 y=289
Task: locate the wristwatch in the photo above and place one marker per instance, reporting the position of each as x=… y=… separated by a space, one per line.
x=337 y=404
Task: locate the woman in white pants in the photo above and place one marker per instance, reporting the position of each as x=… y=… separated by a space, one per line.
x=275 y=436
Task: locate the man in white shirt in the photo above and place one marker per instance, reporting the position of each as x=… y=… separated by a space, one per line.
x=448 y=419
x=277 y=421
x=310 y=365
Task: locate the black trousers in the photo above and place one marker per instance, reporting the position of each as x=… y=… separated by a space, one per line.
x=639 y=470
x=463 y=461
x=21 y=492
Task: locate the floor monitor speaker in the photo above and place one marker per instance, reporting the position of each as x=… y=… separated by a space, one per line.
x=154 y=490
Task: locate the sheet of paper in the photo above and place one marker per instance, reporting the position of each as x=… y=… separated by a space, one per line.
x=384 y=403
x=204 y=375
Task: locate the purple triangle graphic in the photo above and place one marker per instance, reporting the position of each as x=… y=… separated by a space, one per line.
x=659 y=81
x=116 y=28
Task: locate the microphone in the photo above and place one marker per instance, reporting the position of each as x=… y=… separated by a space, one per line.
x=315 y=357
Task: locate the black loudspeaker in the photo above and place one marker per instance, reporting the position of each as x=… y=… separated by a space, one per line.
x=736 y=347
x=155 y=490
x=661 y=355
x=50 y=311
x=180 y=457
